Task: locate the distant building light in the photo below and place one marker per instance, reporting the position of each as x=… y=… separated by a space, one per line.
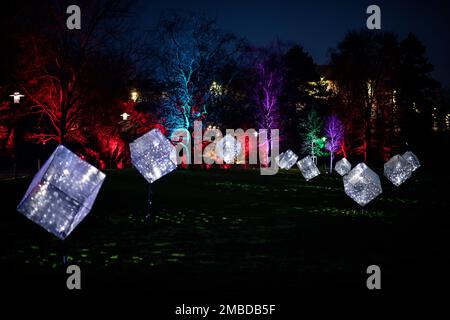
x=216 y=89
x=134 y=96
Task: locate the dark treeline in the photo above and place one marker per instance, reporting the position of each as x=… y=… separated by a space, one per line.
x=77 y=83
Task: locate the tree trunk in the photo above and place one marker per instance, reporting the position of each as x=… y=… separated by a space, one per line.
x=8 y=135
x=368 y=134
x=331 y=162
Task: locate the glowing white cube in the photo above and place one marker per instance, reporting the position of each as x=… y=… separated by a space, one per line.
x=362 y=184
x=286 y=159
x=398 y=170
x=343 y=166
x=277 y=160
x=228 y=148
x=412 y=159
x=153 y=155
x=62 y=193
x=308 y=168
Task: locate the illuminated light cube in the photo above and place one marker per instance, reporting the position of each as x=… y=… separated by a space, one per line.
x=398 y=170
x=228 y=148
x=343 y=166
x=308 y=168
x=362 y=184
x=153 y=155
x=277 y=160
x=412 y=159
x=287 y=159
x=62 y=192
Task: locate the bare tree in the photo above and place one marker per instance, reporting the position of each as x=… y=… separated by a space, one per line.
x=54 y=68
x=190 y=51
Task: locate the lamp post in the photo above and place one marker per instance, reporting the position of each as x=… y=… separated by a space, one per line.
x=16 y=99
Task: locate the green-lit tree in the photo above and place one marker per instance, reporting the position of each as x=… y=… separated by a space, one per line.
x=310 y=129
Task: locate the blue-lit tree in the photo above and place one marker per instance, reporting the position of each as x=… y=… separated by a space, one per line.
x=191 y=51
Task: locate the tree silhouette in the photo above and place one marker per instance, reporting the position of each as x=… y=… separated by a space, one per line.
x=416 y=92
x=300 y=72
x=364 y=65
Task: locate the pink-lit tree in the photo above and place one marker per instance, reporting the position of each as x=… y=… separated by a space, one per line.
x=268 y=90
x=334 y=131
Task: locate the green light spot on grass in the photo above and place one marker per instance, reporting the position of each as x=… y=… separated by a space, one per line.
x=175 y=254
x=111 y=244
x=162 y=244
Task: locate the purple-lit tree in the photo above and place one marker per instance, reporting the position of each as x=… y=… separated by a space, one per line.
x=268 y=88
x=334 y=131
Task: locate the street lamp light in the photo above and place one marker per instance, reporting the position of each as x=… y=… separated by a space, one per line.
x=16 y=96
x=125 y=116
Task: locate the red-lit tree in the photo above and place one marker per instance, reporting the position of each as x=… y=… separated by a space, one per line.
x=112 y=133
x=5 y=129
x=9 y=114
x=55 y=67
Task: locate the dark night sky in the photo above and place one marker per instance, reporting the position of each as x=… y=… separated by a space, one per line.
x=321 y=24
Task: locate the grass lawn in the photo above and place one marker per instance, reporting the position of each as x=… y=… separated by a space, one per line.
x=235 y=232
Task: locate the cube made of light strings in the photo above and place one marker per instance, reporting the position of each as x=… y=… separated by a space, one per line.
x=153 y=155
x=286 y=159
x=362 y=184
x=308 y=168
x=343 y=166
x=228 y=148
x=277 y=160
x=398 y=170
x=412 y=159
x=62 y=193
